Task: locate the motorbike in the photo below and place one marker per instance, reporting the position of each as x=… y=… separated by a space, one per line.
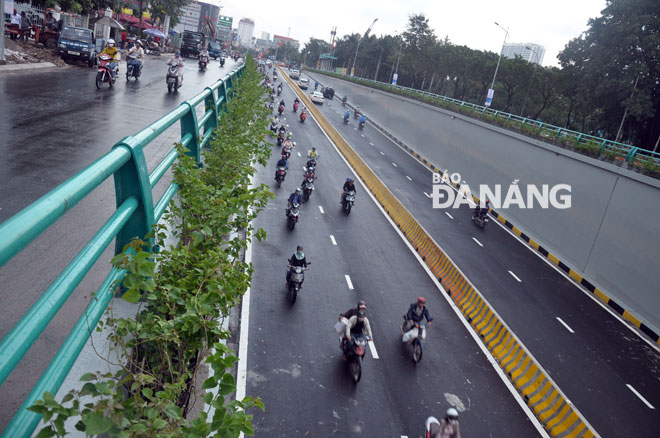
x=296 y=278
x=172 y=78
x=203 y=62
x=417 y=343
x=427 y=426
x=132 y=70
x=347 y=203
x=103 y=74
x=295 y=107
x=280 y=138
x=480 y=219
x=279 y=90
x=280 y=109
x=293 y=216
x=153 y=48
x=307 y=188
x=280 y=175
x=354 y=350
x=286 y=153
x=303 y=116
x=222 y=62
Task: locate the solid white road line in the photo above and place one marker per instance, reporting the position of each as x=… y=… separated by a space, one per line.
x=640 y=396
x=372 y=347
x=394 y=164
x=409 y=178
x=348 y=281
x=515 y=276
x=505 y=380
x=563 y=323
x=447 y=213
x=427 y=195
x=321 y=208
x=382 y=153
x=332 y=239
x=478 y=243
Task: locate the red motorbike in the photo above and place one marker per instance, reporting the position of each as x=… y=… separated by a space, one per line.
x=280 y=109
x=303 y=116
x=295 y=107
x=104 y=73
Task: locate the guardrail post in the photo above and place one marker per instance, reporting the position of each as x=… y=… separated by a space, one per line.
x=222 y=93
x=631 y=154
x=579 y=138
x=132 y=179
x=189 y=126
x=602 y=146
x=210 y=103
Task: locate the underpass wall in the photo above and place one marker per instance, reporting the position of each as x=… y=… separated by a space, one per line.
x=607 y=235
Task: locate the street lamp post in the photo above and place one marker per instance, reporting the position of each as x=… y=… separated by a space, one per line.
x=492 y=85
x=522 y=112
x=358 y=46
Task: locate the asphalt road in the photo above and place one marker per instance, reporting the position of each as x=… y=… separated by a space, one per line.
x=596 y=360
x=293 y=360
x=53 y=125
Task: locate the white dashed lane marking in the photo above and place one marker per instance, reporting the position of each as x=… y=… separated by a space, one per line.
x=394 y=164
x=515 y=276
x=640 y=396
x=450 y=216
x=348 y=281
x=478 y=243
x=332 y=239
x=321 y=208
x=409 y=178
x=565 y=325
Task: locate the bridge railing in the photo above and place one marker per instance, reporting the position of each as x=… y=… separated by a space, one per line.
x=598 y=145
x=134 y=217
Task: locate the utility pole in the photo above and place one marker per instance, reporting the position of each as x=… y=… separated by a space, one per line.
x=358 y=45
x=625 y=113
x=2 y=32
x=491 y=91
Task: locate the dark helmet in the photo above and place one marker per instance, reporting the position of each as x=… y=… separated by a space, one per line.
x=421 y=300
x=349 y=180
x=299 y=248
x=362 y=304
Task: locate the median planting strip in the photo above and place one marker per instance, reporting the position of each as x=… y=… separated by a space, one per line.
x=554 y=410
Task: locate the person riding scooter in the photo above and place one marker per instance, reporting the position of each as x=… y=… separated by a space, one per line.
x=357 y=112
x=281 y=163
x=135 y=53
x=356 y=325
x=111 y=51
x=203 y=58
x=363 y=120
x=177 y=60
x=416 y=313
x=347 y=115
x=344 y=100
x=349 y=186
x=294 y=198
x=482 y=212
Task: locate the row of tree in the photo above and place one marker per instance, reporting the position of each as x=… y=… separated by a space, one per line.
x=609 y=73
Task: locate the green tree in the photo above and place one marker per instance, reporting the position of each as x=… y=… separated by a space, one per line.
x=418 y=39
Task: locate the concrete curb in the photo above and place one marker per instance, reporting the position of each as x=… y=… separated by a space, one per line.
x=573 y=274
x=26 y=67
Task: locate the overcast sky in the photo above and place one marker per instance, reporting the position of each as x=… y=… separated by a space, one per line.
x=467 y=22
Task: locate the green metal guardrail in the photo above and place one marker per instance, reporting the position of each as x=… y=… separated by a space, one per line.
x=134 y=217
x=623 y=151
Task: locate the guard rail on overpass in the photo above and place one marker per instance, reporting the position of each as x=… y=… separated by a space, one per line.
x=134 y=217
x=583 y=143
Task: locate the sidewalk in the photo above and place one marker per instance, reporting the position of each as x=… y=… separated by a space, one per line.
x=23 y=67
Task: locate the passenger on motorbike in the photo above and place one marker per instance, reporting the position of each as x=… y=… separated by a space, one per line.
x=416 y=313
x=447 y=427
x=295 y=197
x=349 y=186
x=177 y=60
x=361 y=306
x=111 y=51
x=310 y=173
x=297 y=259
x=482 y=212
x=357 y=111
x=296 y=100
x=281 y=163
x=138 y=53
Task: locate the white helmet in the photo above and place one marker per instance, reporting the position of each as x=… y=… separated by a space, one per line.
x=452 y=413
x=111 y=42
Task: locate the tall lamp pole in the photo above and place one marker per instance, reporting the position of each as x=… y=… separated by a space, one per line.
x=492 y=85
x=358 y=46
x=2 y=31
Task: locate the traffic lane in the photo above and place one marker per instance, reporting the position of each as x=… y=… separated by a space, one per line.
x=57 y=122
x=389 y=280
x=31 y=271
x=494 y=263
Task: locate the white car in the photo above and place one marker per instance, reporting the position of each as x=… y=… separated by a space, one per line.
x=303 y=83
x=295 y=74
x=317 y=97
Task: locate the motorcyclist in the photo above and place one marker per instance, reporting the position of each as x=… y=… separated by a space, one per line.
x=51 y=24
x=297 y=259
x=282 y=162
x=295 y=197
x=447 y=427
x=363 y=119
x=356 y=325
x=316 y=85
x=282 y=103
x=416 y=313
x=361 y=306
x=274 y=123
x=349 y=186
x=204 y=53
x=111 y=51
x=296 y=100
x=136 y=53
x=310 y=173
x=282 y=128
x=347 y=115
x=177 y=60
x=344 y=100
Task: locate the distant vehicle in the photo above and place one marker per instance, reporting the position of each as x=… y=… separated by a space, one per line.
x=215 y=49
x=77 y=43
x=191 y=43
x=295 y=74
x=317 y=97
x=329 y=93
x=303 y=83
